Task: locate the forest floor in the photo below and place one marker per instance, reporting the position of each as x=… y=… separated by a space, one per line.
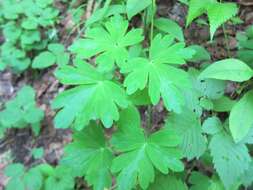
x=17 y=144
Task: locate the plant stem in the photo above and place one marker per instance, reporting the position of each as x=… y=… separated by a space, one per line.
x=149 y=119
x=226 y=40
x=152 y=21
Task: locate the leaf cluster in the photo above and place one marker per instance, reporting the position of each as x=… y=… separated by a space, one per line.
x=21 y=112
x=22 y=27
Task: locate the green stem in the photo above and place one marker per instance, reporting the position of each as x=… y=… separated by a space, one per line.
x=226 y=41
x=152 y=21
x=149 y=119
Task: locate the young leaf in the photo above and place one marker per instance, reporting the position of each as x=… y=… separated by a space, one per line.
x=22 y=111
x=14 y=170
x=89 y=156
x=22 y=179
x=196 y=8
x=187 y=125
x=109 y=42
x=213 y=8
x=170 y=27
x=162 y=79
x=140 y=155
x=60 y=181
x=93 y=98
x=230 y=160
x=240 y=118
x=228 y=69
x=133 y=7
x=201 y=54
x=212 y=125
x=225 y=11
x=43 y=60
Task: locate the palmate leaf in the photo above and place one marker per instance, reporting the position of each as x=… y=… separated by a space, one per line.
x=94 y=98
x=109 y=42
x=89 y=156
x=187 y=125
x=162 y=79
x=140 y=154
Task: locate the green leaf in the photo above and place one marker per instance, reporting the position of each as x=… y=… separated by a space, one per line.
x=140 y=98
x=167 y=182
x=230 y=160
x=61 y=179
x=206 y=103
x=88 y=155
x=208 y=88
x=22 y=111
x=219 y=13
x=44 y=3
x=249 y=137
x=93 y=98
x=162 y=80
x=13 y=184
x=187 y=125
x=171 y=27
x=201 y=54
x=140 y=155
x=38 y=153
x=108 y=42
x=33 y=179
x=14 y=170
x=212 y=125
x=62 y=58
x=30 y=23
x=56 y=48
x=43 y=60
x=223 y=104
x=200 y=181
x=196 y=8
x=228 y=69
x=133 y=7
x=247 y=177
x=240 y=118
